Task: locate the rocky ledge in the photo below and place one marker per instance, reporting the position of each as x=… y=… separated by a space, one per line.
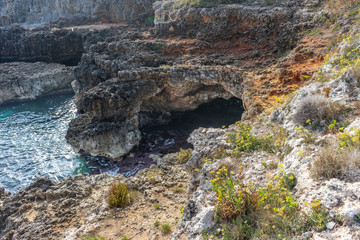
x=26 y=81
x=77 y=206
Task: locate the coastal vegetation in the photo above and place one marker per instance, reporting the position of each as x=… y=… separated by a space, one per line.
x=119 y=195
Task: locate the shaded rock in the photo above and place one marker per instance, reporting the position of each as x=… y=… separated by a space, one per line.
x=41 y=11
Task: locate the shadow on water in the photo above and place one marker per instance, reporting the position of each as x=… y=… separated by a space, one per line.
x=170 y=137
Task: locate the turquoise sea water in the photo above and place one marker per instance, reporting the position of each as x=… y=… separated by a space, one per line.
x=32 y=141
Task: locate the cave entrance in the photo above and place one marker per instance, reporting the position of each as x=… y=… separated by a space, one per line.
x=170 y=137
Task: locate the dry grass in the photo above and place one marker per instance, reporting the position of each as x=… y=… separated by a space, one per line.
x=338 y=5
x=356 y=72
x=317 y=109
x=344 y=165
x=119 y=195
x=184 y=155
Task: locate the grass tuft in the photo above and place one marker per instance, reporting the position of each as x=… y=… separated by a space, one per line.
x=184 y=155
x=119 y=195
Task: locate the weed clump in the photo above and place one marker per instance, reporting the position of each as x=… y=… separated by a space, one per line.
x=317 y=109
x=184 y=155
x=166 y=228
x=156 y=223
x=245 y=141
x=92 y=237
x=119 y=195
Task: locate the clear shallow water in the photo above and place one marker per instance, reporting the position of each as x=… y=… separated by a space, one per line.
x=32 y=142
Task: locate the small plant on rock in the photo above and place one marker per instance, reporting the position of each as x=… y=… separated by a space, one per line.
x=166 y=228
x=245 y=141
x=119 y=195
x=184 y=155
x=318 y=216
x=156 y=223
x=305 y=134
x=92 y=237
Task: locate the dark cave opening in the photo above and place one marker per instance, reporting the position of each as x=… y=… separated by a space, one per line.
x=167 y=138
x=170 y=137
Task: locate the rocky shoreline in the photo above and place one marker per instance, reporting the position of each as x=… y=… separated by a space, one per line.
x=299 y=84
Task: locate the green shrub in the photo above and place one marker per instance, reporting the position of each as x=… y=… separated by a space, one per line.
x=166 y=228
x=348 y=140
x=305 y=134
x=92 y=237
x=184 y=155
x=265 y=213
x=156 y=223
x=119 y=195
x=150 y=20
x=245 y=141
x=318 y=215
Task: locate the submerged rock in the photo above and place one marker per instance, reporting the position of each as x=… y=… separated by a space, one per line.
x=26 y=81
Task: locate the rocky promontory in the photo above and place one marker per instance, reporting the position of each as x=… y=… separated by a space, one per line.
x=194 y=56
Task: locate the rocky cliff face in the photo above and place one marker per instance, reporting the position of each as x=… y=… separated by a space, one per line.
x=49 y=44
x=26 y=81
x=73 y=11
x=194 y=56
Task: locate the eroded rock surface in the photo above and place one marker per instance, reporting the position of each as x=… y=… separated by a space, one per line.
x=194 y=56
x=41 y=11
x=50 y=44
x=26 y=81
x=77 y=206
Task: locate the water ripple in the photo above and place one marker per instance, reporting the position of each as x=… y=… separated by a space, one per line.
x=32 y=142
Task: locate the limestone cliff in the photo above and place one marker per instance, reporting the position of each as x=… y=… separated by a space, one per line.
x=73 y=11
x=194 y=56
x=27 y=81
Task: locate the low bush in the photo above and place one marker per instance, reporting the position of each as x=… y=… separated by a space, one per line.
x=245 y=141
x=317 y=109
x=92 y=237
x=166 y=228
x=265 y=213
x=184 y=155
x=350 y=141
x=119 y=195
